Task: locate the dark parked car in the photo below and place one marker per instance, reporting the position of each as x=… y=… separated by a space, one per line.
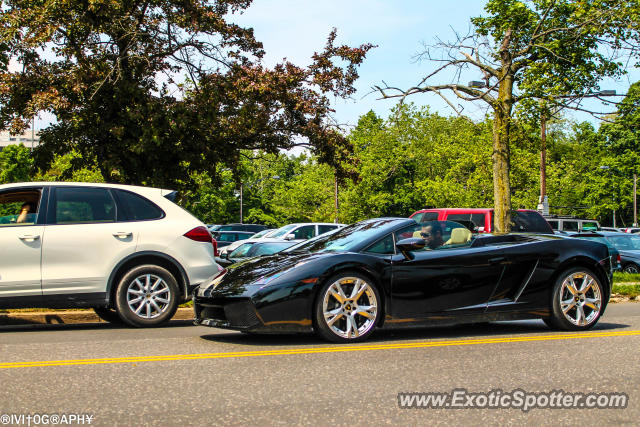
x=376 y=274
x=252 y=249
x=224 y=238
x=254 y=228
x=628 y=246
x=617 y=261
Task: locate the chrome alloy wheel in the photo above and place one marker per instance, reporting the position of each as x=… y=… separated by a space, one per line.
x=148 y=296
x=350 y=307
x=580 y=298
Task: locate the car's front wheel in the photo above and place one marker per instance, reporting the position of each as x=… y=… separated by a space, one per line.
x=147 y=296
x=347 y=308
x=577 y=301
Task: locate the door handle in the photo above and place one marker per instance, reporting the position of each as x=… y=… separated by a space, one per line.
x=122 y=234
x=29 y=237
x=496 y=260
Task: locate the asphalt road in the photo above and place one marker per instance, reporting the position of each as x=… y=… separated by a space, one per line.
x=186 y=375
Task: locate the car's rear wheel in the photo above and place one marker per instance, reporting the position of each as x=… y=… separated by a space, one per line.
x=631 y=269
x=107 y=314
x=147 y=296
x=577 y=301
x=347 y=308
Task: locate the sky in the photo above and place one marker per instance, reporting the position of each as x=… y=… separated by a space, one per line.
x=295 y=29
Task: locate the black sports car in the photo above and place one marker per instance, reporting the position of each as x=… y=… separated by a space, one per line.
x=392 y=272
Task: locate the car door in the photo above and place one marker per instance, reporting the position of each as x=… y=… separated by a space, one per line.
x=21 y=238
x=83 y=242
x=450 y=280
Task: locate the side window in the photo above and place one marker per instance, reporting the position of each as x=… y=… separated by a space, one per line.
x=569 y=225
x=553 y=224
x=324 y=228
x=425 y=216
x=19 y=207
x=137 y=208
x=384 y=246
x=79 y=205
x=305 y=232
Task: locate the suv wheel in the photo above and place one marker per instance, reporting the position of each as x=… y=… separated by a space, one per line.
x=147 y=296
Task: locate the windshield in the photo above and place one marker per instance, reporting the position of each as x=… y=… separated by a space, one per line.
x=625 y=243
x=344 y=239
x=261 y=233
x=282 y=231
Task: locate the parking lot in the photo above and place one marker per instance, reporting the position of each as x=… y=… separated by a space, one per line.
x=182 y=374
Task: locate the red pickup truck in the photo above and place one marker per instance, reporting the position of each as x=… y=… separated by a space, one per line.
x=480 y=220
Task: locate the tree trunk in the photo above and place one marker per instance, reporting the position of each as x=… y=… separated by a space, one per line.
x=501 y=185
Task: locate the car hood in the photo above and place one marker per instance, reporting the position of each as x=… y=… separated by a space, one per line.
x=261 y=271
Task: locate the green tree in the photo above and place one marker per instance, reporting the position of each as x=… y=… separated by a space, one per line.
x=159 y=91
x=15 y=164
x=530 y=53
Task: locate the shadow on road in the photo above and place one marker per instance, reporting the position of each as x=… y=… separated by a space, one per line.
x=23 y=326
x=445 y=332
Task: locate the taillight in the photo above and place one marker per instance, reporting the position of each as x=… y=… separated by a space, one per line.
x=619 y=259
x=201 y=234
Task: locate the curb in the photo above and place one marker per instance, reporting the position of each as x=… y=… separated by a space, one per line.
x=69 y=317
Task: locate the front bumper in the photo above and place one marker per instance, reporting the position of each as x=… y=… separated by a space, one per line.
x=228 y=313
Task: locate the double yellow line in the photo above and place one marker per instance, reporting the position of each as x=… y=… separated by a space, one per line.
x=316 y=350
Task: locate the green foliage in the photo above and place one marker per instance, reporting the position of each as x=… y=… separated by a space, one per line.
x=15 y=164
x=113 y=74
x=619 y=277
x=71 y=167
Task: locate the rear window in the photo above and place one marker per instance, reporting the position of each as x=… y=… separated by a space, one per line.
x=530 y=222
x=137 y=208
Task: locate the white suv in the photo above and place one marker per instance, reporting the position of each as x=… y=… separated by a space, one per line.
x=128 y=252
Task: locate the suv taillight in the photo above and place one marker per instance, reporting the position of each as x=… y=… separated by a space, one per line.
x=619 y=259
x=201 y=234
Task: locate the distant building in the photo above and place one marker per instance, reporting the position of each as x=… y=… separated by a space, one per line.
x=25 y=139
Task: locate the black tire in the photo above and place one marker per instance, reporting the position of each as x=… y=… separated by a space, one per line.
x=631 y=268
x=108 y=315
x=152 y=317
x=364 y=325
x=558 y=319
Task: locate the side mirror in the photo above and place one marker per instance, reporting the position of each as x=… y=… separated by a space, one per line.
x=406 y=246
x=289 y=237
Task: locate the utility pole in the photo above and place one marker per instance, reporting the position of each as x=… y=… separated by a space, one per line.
x=543 y=205
x=635 y=203
x=240 y=203
x=336 y=197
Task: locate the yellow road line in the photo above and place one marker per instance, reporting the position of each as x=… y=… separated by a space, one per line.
x=316 y=350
